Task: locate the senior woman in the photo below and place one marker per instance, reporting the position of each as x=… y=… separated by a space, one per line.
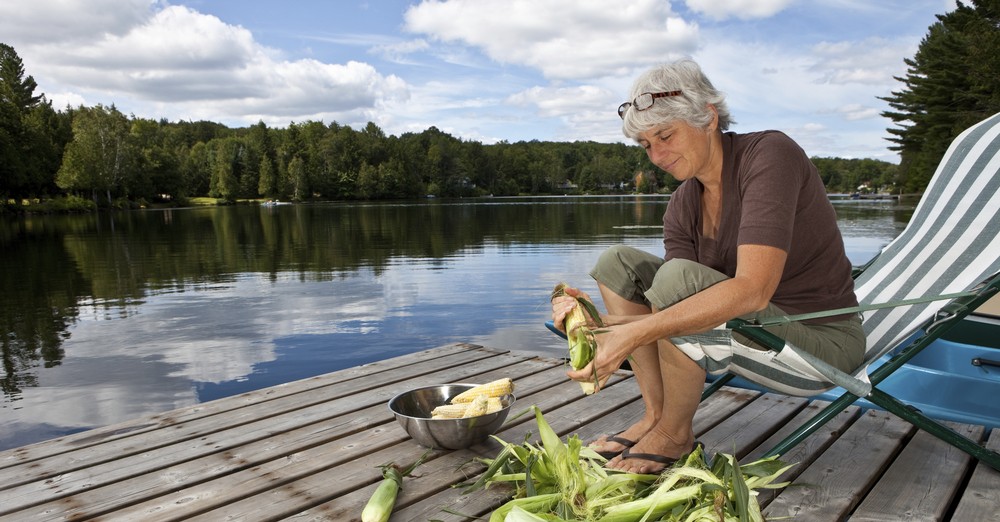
x=749 y=233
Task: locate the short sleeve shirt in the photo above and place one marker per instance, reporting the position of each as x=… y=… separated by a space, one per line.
x=772 y=195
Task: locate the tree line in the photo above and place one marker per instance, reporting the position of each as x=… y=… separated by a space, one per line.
x=97 y=156
x=951 y=83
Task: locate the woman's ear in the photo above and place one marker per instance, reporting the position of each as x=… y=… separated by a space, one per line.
x=714 y=124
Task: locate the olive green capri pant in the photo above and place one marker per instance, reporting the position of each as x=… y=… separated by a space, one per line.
x=646 y=279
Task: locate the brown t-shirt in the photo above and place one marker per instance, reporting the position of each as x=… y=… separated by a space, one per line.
x=771 y=195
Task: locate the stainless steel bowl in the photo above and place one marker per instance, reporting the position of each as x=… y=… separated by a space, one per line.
x=413 y=411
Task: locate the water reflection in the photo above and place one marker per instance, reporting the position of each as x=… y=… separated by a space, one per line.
x=108 y=317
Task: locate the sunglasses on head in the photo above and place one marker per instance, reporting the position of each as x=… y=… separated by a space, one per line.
x=644 y=101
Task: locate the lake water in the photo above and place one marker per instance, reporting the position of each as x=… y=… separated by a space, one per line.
x=107 y=317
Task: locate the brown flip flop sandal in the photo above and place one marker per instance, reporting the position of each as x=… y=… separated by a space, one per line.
x=660 y=459
x=618 y=440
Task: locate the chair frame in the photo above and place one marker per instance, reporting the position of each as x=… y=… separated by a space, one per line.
x=944 y=320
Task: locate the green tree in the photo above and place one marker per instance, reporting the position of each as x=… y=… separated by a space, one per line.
x=19 y=141
x=261 y=151
x=225 y=168
x=101 y=156
x=196 y=169
x=952 y=82
x=297 y=178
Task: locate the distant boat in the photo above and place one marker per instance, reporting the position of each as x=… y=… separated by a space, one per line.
x=274 y=203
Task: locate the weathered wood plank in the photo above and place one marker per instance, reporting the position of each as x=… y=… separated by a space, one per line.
x=133 y=427
x=747 y=428
x=922 y=481
x=178 y=464
x=336 y=485
x=260 y=478
x=836 y=481
x=309 y=450
x=981 y=499
x=807 y=451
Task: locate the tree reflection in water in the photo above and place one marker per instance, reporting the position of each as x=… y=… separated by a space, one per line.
x=110 y=316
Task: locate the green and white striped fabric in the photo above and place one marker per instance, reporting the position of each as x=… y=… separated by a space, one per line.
x=951 y=244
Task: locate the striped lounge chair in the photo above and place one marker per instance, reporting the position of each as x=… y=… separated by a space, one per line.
x=941 y=267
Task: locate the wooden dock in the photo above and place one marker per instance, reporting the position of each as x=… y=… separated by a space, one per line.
x=309 y=450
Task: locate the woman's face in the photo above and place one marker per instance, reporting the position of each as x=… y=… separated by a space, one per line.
x=682 y=150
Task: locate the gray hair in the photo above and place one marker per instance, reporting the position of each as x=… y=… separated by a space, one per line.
x=697 y=93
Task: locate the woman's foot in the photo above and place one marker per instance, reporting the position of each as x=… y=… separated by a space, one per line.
x=652 y=454
x=609 y=446
x=617 y=443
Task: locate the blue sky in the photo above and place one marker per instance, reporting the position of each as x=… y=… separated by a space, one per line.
x=484 y=70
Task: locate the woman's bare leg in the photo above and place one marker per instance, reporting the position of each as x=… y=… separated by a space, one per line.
x=673 y=434
x=646 y=366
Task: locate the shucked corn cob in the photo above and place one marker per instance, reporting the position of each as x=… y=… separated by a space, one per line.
x=466 y=409
x=497 y=388
x=449 y=411
x=477 y=407
x=476 y=401
x=579 y=336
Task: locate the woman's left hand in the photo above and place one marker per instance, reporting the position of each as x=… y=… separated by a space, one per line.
x=610 y=354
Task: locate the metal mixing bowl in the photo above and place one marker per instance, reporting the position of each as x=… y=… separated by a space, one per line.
x=413 y=411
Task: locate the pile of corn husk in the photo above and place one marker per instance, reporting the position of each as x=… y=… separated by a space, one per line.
x=563 y=481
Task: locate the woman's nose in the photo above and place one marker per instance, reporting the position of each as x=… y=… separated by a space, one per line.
x=656 y=152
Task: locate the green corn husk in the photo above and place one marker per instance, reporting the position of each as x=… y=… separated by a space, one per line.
x=579 y=336
x=563 y=480
x=519 y=514
x=380 y=505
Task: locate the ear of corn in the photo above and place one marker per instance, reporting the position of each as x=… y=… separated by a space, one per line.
x=449 y=411
x=458 y=411
x=476 y=401
x=579 y=336
x=497 y=388
x=380 y=505
x=477 y=407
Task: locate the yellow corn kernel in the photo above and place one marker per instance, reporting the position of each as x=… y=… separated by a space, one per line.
x=477 y=407
x=497 y=388
x=493 y=404
x=449 y=411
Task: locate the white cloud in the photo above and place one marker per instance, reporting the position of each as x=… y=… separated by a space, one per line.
x=742 y=9
x=61 y=22
x=857 y=112
x=189 y=65
x=564 y=39
x=803 y=93
x=562 y=101
x=872 y=61
x=397 y=51
x=486 y=70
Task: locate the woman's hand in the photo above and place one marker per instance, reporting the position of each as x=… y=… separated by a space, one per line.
x=611 y=353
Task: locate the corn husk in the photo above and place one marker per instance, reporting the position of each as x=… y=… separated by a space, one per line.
x=579 y=336
x=379 y=506
x=564 y=480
